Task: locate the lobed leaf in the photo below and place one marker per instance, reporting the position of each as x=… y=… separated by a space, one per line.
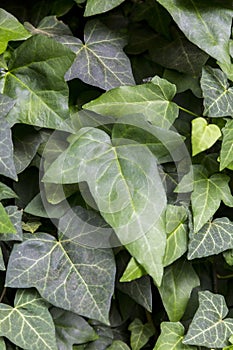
x=140 y=333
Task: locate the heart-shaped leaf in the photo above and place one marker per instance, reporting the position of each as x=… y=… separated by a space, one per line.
x=140 y=333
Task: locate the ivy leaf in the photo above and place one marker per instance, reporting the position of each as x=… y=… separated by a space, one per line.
x=195 y=20
x=6 y=104
x=140 y=333
x=203 y=135
x=118 y=345
x=171 y=337
x=177 y=284
x=6 y=225
x=146 y=99
x=208 y=327
x=50 y=26
x=2 y=268
x=28 y=324
x=100 y=61
x=93 y=7
x=39 y=101
x=7 y=166
x=213 y=238
x=10 y=30
x=67 y=274
x=6 y=192
x=218 y=95
x=71 y=329
x=15 y=216
x=226 y=153
x=133 y=271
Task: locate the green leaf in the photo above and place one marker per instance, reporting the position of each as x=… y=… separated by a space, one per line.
x=28 y=324
x=146 y=99
x=195 y=19
x=39 y=101
x=66 y=273
x=93 y=7
x=177 y=284
x=208 y=192
x=203 y=135
x=140 y=333
x=10 y=30
x=6 y=192
x=15 y=216
x=118 y=345
x=6 y=225
x=217 y=93
x=50 y=26
x=7 y=166
x=71 y=329
x=6 y=104
x=31 y=226
x=100 y=60
x=2 y=268
x=226 y=153
x=133 y=271
x=171 y=337
x=2 y=344
x=213 y=238
x=208 y=327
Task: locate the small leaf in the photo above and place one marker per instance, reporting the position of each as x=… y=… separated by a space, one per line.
x=6 y=192
x=217 y=93
x=226 y=153
x=93 y=7
x=118 y=345
x=10 y=30
x=15 y=216
x=31 y=226
x=6 y=225
x=2 y=268
x=140 y=333
x=100 y=61
x=208 y=327
x=28 y=324
x=203 y=135
x=177 y=284
x=171 y=337
x=133 y=271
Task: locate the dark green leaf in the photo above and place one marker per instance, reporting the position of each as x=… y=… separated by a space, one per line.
x=6 y=104
x=94 y=7
x=226 y=154
x=140 y=333
x=6 y=192
x=2 y=268
x=7 y=166
x=49 y=26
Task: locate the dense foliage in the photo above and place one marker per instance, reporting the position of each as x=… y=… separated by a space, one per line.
x=116 y=161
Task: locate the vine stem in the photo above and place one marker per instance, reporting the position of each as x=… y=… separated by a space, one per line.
x=189 y=112
x=224 y=277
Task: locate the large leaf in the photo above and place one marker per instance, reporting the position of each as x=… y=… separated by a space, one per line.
x=140 y=333
x=66 y=273
x=10 y=29
x=178 y=282
x=171 y=337
x=6 y=225
x=152 y=99
x=214 y=237
x=93 y=7
x=100 y=60
x=217 y=93
x=129 y=199
x=195 y=19
x=28 y=324
x=7 y=166
x=36 y=81
x=226 y=154
x=209 y=326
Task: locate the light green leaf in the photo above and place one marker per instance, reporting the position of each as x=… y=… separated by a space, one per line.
x=217 y=93
x=177 y=284
x=213 y=238
x=203 y=135
x=226 y=153
x=66 y=273
x=100 y=60
x=71 y=329
x=6 y=192
x=118 y=345
x=39 y=101
x=208 y=192
x=93 y=7
x=7 y=166
x=28 y=324
x=10 y=30
x=152 y=99
x=171 y=337
x=6 y=225
x=2 y=344
x=15 y=216
x=133 y=271
x=208 y=327
x=140 y=333
x=195 y=19
x=31 y=226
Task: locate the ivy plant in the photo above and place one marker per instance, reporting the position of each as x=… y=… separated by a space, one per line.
x=116 y=175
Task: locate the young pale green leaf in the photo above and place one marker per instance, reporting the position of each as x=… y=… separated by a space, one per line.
x=6 y=192
x=140 y=333
x=213 y=238
x=15 y=216
x=31 y=226
x=71 y=329
x=7 y=166
x=208 y=192
x=28 y=324
x=195 y=19
x=217 y=93
x=10 y=30
x=100 y=61
x=177 y=284
x=118 y=345
x=40 y=101
x=133 y=271
x=203 y=135
x=6 y=225
x=68 y=274
x=152 y=99
x=171 y=337
x=226 y=153
x=93 y=7
x=208 y=327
